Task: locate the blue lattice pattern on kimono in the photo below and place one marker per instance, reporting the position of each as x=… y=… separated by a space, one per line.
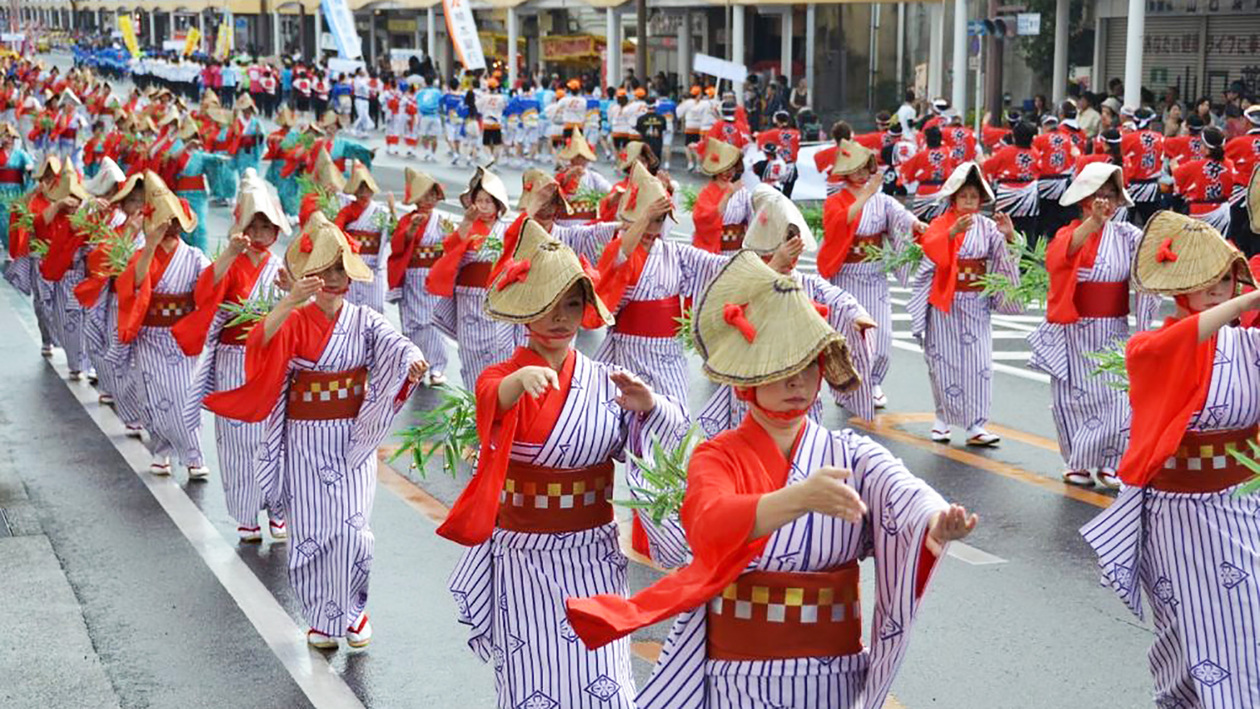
x=538 y=700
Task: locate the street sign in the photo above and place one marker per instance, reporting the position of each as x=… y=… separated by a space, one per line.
x=975 y=28
x=722 y=69
x=1028 y=23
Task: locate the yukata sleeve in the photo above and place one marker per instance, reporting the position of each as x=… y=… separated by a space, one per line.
x=1001 y=262
x=901 y=507
x=389 y=357
x=587 y=240
x=843 y=312
x=666 y=424
x=738 y=208
x=1146 y=305
x=920 y=289
x=699 y=268
x=900 y=227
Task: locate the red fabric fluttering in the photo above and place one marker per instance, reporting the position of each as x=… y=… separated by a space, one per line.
x=349 y=214
x=734 y=316
x=63 y=243
x=823 y=310
x=20 y=239
x=942 y=249
x=235 y=286
x=1165 y=253
x=305 y=334
x=615 y=278
x=511 y=238
x=401 y=248
x=838 y=232
x=707 y=220
x=135 y=293
x=516 y=272
x=1162 y=408
x=1063 y=267
x=441 y=280
x=89 y=290
x=305 y=245
x=472 y=518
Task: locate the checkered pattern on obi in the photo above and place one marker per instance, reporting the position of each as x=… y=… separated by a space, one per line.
x=970 y=271
x=1205 y=456
x=369 y=241
x=785 y=604
x=165 y=309
x=345 y=385
x=425 y=256
x=556 y=495
x=733 y=236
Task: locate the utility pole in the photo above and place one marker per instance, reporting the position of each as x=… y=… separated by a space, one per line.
x=640 y=31
x=993 y=72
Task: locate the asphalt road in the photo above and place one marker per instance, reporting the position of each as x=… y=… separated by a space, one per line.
x=126 y=590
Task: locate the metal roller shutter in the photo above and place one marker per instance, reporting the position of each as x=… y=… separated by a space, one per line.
x=1233 y=53
x=1170 y=56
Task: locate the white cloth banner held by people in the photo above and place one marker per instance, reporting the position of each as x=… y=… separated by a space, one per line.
x=341 y=26
x=462 y=28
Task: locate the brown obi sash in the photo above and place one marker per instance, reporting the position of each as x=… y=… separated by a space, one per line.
x=369 y=241
x=1101 y=299
x=474 y=275
x=857 y=252
x=425 y=256
x=970 y=270
x=649 y=318
x=551 y=501
x=779 y=615
x=165 y=309
x=586 y=214
x=236 y=334
x=10 y=176
x=733 y=237
x=195 y=183
x=1203 y=464
x=323 y=396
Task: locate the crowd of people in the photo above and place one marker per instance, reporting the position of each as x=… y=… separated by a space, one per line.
x=288 y=347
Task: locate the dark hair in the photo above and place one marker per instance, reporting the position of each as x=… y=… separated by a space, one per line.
x=1068 y=110
x=1022 y=133
x=1214 y=141
x=453 y=83
x=909 y=96
x=933 y=137
x=1111 y=141
x=840 y=130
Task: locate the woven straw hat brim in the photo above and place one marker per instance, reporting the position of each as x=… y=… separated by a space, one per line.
x=538 y=186
x=127 y=187
x=257 y=196
x=851 y=156
x=164 y=206
x=418 y=185
x=490 y=182
x=719 y=157
x=68 y=185
x=576 y=146
x=1253 y=201
x=772 y=214
x=326 y=174
x=328 y=245
x=359 y=176
x=1093 y=176
x=650 y=190
x=51 y=162
x=960 y=177
x=1203 y=256
x=632 y=152
x=553 y=269
x=790 y=333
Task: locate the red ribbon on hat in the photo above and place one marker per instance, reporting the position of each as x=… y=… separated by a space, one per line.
x=147 y=210
x=632 y=196
x=305 y=245
x=823 y=310
x=516 y=272
x=734 y=316
x=590 y=271
x=1165 y=253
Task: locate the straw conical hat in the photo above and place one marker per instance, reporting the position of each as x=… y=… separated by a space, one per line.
x=576 y=146
x=162 y=206
x=418 y=185
x=851 y=156
x=541 y=270
x=188 y=129
x=51 y=163
x=360 y=176
x=539 y=187
x=1093 y=176
x=68 y=185
x=788 y=334
x=488 y=181
x=633 y=151
x=257 y=196
x=222 y=116
x=963 y=174
x=286 y=118
x=245 y=103
x=326 y=174
x=773 y=213
x=209 y=98
x=1253 y=201
x=106 y=179
x=719 y=157
x=320 y=246
x=1180 y=254
x=330 y=119
x=644 y=190
x=133 y=180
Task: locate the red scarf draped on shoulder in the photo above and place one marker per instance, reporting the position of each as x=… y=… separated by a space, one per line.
x=707 y=219
x=613 y=279
x=472 y=518
x=943 y=251
x=401 y=248
x=90 y=288
x=350 y=214
x=20 y=239
x=441 y=280
x=236 y=285
x=1063 y=267
x=1162 y=408
x=725 y=481
x=63 y=243
x=838 y=232
x=135 y=293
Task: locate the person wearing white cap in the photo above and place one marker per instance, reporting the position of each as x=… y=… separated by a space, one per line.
x=245 y=271
x=937 y=112
x=1089 y=264
x=950 y=315
x=1143 y=151
x=1244 y=152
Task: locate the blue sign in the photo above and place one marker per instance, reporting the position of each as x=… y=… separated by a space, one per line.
x=975 y=28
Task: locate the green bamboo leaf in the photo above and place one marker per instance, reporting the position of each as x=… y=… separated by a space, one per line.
x=1111 y=365
x=450 y=427
x=588 y=197
x=665 y=475
x=684 y=334
x=689 y=197
x=892 y=259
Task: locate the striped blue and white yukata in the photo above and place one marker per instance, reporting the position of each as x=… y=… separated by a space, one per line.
x=867 y=280
x=672 y=270
x=901 y=506
x=100 y=333
x=416 y=305
x=322 y=473
x=66 y=313
x=482 y=341
x=116 y=378
x=1196 y=556
x=23 y=274
x=222 y=368
x=375 y=219
x=1092 y=418
x=958 y=345
x=724 y=411
x=162 y=373
x=511 y=589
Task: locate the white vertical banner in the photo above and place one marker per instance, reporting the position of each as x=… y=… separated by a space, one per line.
x=340 y=22
x=462 y=28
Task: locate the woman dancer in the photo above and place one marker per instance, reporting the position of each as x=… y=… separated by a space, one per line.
x=528 y=552
x=318 y=457
x=366 y=224
x=950 y=315
x=1178 y=532
x=778 y=512
x=724 y=206
x=414 y=249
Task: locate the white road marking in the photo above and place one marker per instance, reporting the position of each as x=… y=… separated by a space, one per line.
x=971 y=555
